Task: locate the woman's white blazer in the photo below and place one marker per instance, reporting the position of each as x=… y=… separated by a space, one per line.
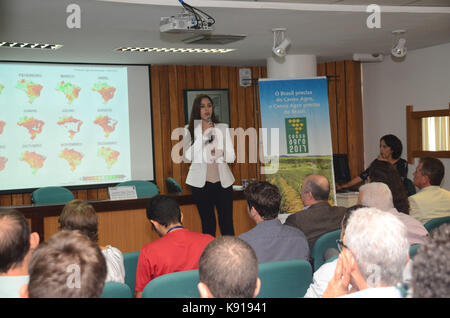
x=196 y=153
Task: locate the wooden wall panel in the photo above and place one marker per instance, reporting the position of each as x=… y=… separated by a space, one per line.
x=168 y=83
x=354 y=117
x=332 y=101
x=341 y=109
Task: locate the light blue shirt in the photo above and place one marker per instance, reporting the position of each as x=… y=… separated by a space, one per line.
x=10 y=285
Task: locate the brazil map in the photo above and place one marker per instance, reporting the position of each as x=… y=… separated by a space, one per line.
x=64 y=123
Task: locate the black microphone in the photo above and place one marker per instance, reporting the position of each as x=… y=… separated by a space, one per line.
x=211 y=137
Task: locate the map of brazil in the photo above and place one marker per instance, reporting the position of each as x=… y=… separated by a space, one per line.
x=3 y=161
x=71 y=91
x=71 y=124
x=105 y=90
x=35 y=161
x=109 y=155
x=73 y=157
x=108 y=124
x=33 y=125
x=2 y=126
x=32 y=90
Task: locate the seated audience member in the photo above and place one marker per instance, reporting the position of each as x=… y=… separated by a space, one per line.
x=68 y=265
x=323 y=275
x=80 y=215
x=383 y=171
x=16 y=246
x=228 y=268
x=431 y=201
x=374 y=253
x=271 y=240
x=390 y=151
x=377 y=195
x=318 y=216
x=431 y=266
x=177 y=249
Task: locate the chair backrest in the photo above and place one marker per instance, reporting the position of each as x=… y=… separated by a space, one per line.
x=413 y=250
x=434 y=223
x=143 y=188
x=130 y=261
x=284 y=279
x=324 y=242
x=173 y=285
x=49 y=195
x=116 y=290
x=173 y=186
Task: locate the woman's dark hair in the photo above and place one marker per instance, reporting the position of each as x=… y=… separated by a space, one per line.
x=395 y=144
x=79 y=215
x=195 y=114
x=383 y=171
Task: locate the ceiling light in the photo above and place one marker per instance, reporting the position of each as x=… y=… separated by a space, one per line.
x=280 y=42
x=399 y=49
x=25 y=45
x=172 y=50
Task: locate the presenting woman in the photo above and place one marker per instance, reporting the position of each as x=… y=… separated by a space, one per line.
x=208 y=146
x=390 y=150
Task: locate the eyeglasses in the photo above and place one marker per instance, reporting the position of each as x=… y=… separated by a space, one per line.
x=340 y=245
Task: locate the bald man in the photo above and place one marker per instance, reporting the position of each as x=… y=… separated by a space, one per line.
x=318 y=216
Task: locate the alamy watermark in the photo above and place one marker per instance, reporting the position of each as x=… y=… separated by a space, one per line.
x=73 y=20
x=216 y=145
x=74 y=279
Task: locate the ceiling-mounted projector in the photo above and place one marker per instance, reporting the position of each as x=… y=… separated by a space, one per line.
x=183 y=23
x=367 y=57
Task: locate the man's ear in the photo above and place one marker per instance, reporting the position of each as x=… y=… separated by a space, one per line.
x=181 y=217
x=257 y=288
x=34 y=240
x=23 y=291
x=204 y=290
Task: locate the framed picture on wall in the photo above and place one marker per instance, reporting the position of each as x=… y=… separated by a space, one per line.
x=220 y=103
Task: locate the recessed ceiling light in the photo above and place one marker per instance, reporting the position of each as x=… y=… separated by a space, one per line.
x=24 y=45
x=172 y=50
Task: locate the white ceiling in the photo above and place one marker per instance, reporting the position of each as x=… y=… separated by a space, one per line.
x=330 y=29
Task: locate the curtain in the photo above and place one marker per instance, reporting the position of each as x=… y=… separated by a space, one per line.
x=435 y=133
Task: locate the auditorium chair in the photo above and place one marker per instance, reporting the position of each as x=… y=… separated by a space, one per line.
x=116 y=290
x=434 y=223
x=413 y=250
x=324 y=242
x=173 y=186
x=174 y=285
x=143 y=188
x=51 y=195
x=130 y=261
x=284 y=279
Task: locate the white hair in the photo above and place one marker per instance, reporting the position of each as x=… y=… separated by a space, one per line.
x=379 y=243
x=376 y=195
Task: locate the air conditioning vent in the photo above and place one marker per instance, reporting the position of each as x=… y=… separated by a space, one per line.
x=214 y=39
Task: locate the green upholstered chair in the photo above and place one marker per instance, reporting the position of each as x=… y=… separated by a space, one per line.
x=434 y=223
x=173 y=186
x=413 y=250
x=52 y=195
x=174 y=285
x=130 y=261
x=284 y=279
x=324 y=242
x=143 y=188
x=116 y=290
